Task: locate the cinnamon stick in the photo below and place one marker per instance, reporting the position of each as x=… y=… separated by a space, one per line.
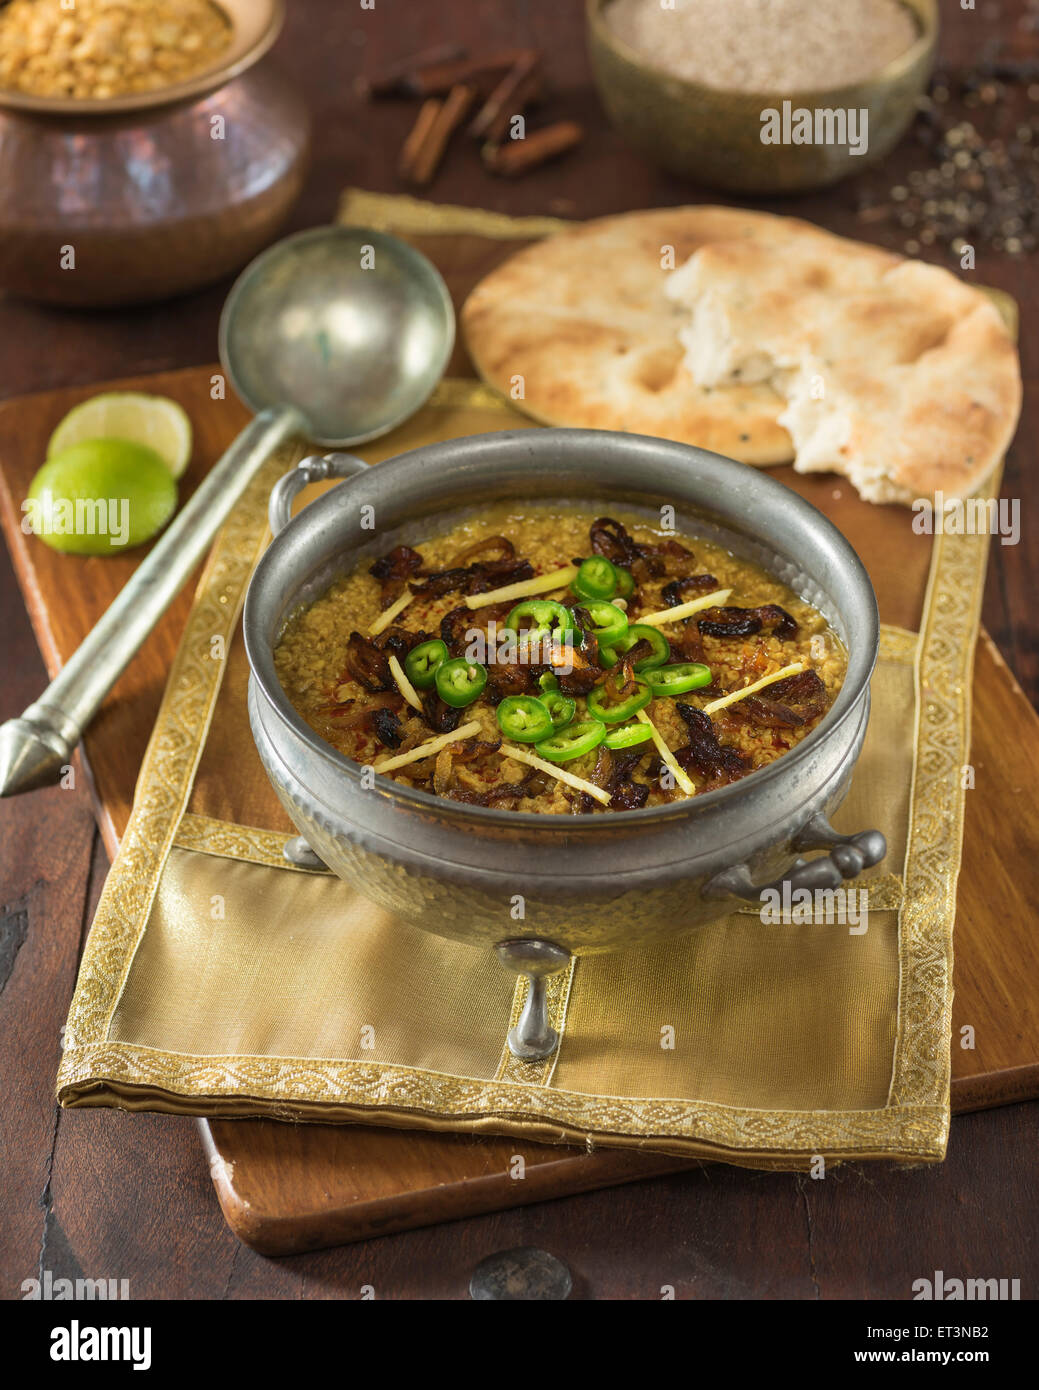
x=390 y=81
x=519 y=86
x=514 y=157
x=437 y=121
x=418 y=135
x=438 y=78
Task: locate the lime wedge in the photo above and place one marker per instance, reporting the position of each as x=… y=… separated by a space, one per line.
x=153 y=420
x=100 y=497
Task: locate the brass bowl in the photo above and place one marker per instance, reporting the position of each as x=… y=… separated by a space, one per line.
x=141 y=197
x=714 y=136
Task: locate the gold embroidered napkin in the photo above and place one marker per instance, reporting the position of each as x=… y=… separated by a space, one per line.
x=218 y=980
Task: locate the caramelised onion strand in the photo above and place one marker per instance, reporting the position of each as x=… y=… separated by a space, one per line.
x=500 y=543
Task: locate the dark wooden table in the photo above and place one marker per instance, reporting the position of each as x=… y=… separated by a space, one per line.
x=109 y=1195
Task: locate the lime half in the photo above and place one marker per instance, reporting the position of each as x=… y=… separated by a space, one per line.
x=156 y=421
x=100 y=497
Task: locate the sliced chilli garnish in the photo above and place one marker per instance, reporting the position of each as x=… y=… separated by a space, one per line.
x=703 y=753
x=394 y=570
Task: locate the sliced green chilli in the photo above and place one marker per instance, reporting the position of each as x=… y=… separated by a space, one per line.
x=596 y=578
x=524 y=718
x=549 y=682
x=541 y=617
x=561 y=708
x=572 y=742
x=459 y=681
x=609 y=624
x=603 y=704
x=628 y=735
x=677 y=679
x=610 y=653
x=420 y=664
x=625 y=584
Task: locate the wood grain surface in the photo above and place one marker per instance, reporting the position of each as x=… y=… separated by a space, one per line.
x=106 y=1194
x=286 y=1189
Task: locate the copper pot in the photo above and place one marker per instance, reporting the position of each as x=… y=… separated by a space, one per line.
x=146 y=196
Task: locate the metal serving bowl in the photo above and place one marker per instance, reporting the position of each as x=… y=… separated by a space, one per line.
x=587 y=883
x=713 y=135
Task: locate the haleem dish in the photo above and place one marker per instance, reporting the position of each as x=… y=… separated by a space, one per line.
x=556 y=661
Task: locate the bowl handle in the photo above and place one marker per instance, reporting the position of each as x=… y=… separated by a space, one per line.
x=314 y=469
x=848 y=856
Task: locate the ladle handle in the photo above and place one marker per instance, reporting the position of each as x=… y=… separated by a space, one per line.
x=34 y=748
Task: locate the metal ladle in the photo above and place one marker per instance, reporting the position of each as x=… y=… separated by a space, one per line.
x=336 y=334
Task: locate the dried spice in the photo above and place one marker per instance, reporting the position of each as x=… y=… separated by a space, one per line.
x=516 y=157
x=107 y=48
x=427 y=144
x=979 y=186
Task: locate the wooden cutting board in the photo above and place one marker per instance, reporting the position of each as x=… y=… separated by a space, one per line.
x=285 y=1188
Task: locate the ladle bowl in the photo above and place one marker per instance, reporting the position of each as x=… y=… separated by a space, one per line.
x=352 y=325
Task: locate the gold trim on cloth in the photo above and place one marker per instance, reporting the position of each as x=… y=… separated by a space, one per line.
x=230 y=1040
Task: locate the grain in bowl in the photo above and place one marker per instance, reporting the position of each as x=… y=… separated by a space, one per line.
x=101 y=49
x=560 y=662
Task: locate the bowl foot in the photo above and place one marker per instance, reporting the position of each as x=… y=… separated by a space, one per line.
x=533 y=1038
x=298 y=852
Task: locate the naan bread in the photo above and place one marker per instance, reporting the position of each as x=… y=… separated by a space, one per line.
x=896 y=374
x=771 y=337
x=582 y=319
